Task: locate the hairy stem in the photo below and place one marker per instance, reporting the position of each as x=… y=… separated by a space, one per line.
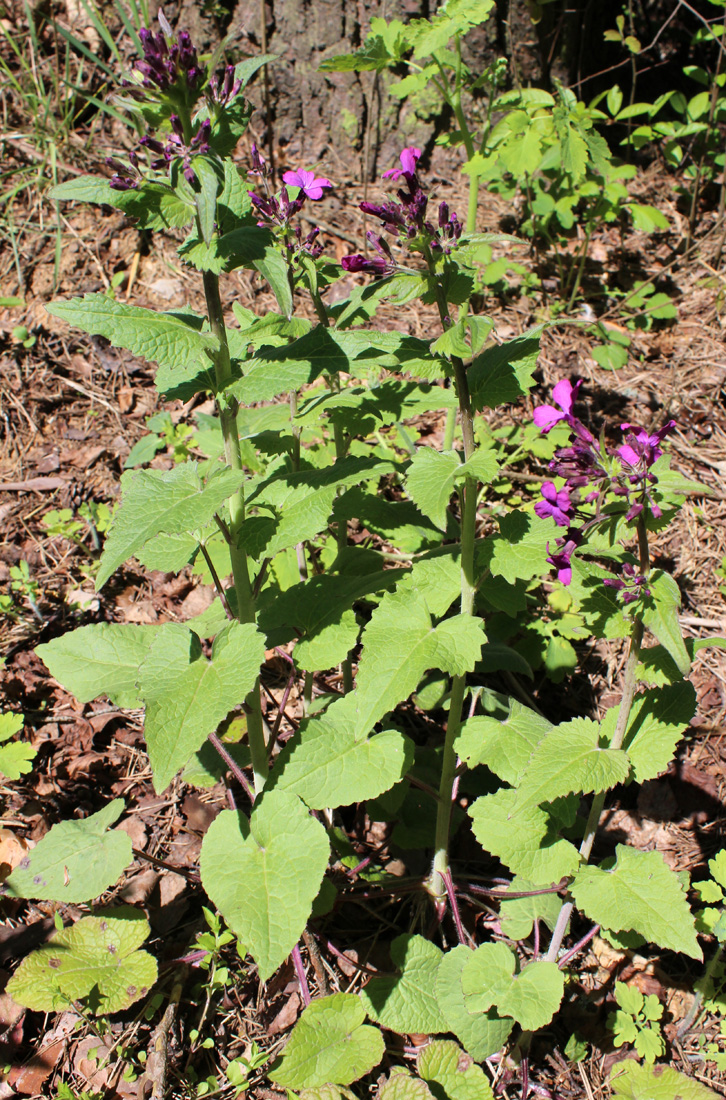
x=437 y=884
x=238 y=557
x=630 y=684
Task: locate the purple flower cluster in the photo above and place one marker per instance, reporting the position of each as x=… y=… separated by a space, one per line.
x=405 y=220
x=277 y=211
x=630 y=584
x=624 y=472
x=170 y=65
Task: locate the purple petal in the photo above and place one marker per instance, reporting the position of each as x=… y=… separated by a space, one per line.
x=545 y=417
x=628 y=455
x=563 y=395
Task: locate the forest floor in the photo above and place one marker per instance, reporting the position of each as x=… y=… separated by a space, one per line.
x=72 y=408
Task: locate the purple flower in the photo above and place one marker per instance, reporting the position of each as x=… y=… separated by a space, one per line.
x=564 y=395
x=374 y=266
x=561 y=558
x=641 y=450
x=310 y=185
x=555 y=504
x=408 y=159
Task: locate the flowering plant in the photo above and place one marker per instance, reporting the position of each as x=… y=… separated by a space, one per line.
x=264 y=514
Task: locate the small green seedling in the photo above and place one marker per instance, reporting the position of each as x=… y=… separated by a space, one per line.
x=636 y=1022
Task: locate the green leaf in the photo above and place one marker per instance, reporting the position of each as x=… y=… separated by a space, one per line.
x=75 y=861
x=639 y=893
x=298 y=505
x=660 y=615
x=568 y=759
x=400 y=644
x=187 y=696
x=264 y=875
x=101 y=659
x=402 y=1086
x=481 y=1033
x=430 y=482
x=631 y=1081
x=504 y=372
x=647 y=219
x=525 y=839
x=520 y=550
x=657 y=721
x=442 y=1063
x=96 y=957
x=330 y=1044
x=154 y=205
x=531 y=997
x=406 y=1002
x=169 y=502
x=505 y=747
x=15 y=757
x=173 y=340
x=319 y=612
x=325 y=764
x=206 y=195
x=518 y=915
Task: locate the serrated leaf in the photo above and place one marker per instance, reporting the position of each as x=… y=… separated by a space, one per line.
x=457 y=643
x=326 y=1092
x=481 y=1033
x=443 y=1064
x=187 y=696
x=166 y=502
x=506 y=746
x=264 y=875
x=75 y=861
x=15 y=757
x=525 y=839
x=520 y=550
x=660 y=615
x=406 y=1002
x=330 y=1044
x=639 y=893
x=402 y=1086
x=172 y=340
x=325 y=765
x=299 y=504
x=569 y=758
x=96 y=956
x=632 y=1081
x=400 y=644
x=101 y=659
x=531 y=997
x=319 y=612
x=504 y=372
x=430 y=482
x=657 y=721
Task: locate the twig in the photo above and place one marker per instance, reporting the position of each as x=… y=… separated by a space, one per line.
x=317 y=961
x=301 y=976
x=158 y=1053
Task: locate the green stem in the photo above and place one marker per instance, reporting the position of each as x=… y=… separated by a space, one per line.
x=437 y=885
x=630 y=684
x=238 y=557
x=695 y=1010
x=581 y=264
